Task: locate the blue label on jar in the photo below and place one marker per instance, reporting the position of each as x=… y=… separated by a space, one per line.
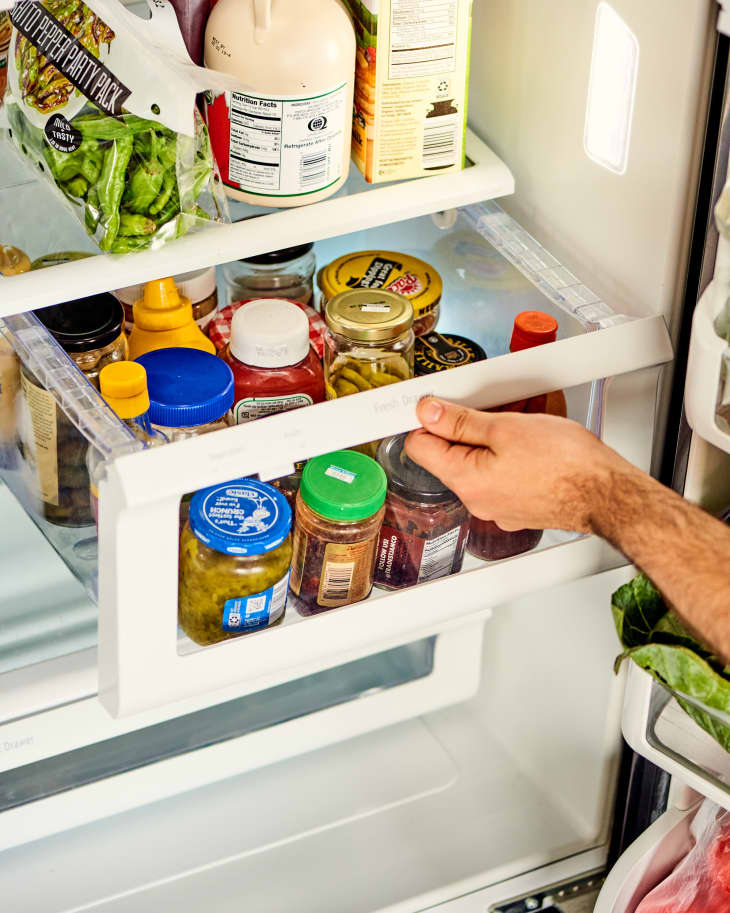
x=257 y=610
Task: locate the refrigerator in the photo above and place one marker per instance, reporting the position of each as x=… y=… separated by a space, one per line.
x=463 y=745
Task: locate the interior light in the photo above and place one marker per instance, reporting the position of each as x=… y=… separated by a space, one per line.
x=611 y=90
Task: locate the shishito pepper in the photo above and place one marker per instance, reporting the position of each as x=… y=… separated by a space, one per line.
x=111 y=186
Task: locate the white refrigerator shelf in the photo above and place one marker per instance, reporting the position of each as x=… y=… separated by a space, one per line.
x=357 y=206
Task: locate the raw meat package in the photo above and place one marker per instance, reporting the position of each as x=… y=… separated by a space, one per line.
x=102 y=103
x=701 y=881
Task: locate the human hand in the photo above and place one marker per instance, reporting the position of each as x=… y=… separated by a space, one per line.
x=520 y=471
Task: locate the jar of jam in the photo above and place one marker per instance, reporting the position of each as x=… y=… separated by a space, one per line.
x=190 y=391
x=286 y=273
x=274 y=366
x=235 y=554
x=90 y=331
x=338 y=516
x=425 y=526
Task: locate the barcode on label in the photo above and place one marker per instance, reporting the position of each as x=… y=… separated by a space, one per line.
x=337 y=580
x=438 y=555
x=439 y=145
x=313 y=169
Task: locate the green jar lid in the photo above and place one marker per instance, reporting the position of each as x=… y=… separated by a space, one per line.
x=345 y=486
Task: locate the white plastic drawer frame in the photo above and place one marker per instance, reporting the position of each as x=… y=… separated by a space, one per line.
x=139 y=663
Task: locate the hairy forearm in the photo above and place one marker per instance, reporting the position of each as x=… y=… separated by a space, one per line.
x=685 y=551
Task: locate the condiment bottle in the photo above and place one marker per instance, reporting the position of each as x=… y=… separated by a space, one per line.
x=274 y=366
x=199 y=286
x=286 y=273
x=190 y=391
x=164 y=319
x=124 y=387
x=425 y=526
x=284 y=140
x=235 y=554
x=338 y=516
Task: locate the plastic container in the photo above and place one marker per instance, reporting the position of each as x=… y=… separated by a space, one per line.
x=425 y=526
x=190 y=392
x=386 y=269
x=90 y=331
x=274 y=366
x=285 y=140
x=338 y=516
x=436 y=352
x=124 y=387
x=199 y=286
x=163 y=318
x=286 y=273
x=235 y=554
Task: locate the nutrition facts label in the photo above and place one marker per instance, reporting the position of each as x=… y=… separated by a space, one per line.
x=438 y=555
x=422 y=37
x=287 y=146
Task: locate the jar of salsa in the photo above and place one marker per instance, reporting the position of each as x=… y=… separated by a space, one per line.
x=274 y=366
x=235 y=553
x=425 y=526
x=338 y=516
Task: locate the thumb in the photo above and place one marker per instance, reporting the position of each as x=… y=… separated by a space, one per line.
x=455 y=423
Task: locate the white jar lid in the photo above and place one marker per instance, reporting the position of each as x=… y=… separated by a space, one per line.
x=196 y=285
x=269 y=333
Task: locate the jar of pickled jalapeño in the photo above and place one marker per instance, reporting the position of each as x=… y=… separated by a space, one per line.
x=235 y=553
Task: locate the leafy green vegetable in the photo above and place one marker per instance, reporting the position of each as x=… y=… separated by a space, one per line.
x=657 y=641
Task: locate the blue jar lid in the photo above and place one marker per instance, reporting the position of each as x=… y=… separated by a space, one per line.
x=187 y=387
x=243 y=517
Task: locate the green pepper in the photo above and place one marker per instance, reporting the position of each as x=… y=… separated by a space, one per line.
x=111 y=186
x=124 y=244
x=64 y=166
x=94 y=126
x=160 y=201
x=92 y=212
x=77 y=186
x=167 y=150
x=144 y=186
x=135 y=224
x=171 y=208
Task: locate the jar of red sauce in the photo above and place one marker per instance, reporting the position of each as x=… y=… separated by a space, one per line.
x=274 y=366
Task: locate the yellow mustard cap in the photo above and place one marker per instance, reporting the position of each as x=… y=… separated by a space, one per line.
x=162 y=307
x=13 y=260
x=123 y=385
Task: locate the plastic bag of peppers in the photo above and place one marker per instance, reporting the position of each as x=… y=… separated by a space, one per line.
x=80 y=87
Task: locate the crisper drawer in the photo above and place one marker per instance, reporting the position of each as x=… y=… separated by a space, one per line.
x=492 y=269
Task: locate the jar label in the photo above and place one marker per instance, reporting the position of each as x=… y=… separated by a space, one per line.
x=347 y=572
x=342 y=475
x=280 y=146
x=257 y=610
x=40 y=440
x=253 y=407
x=404 y=559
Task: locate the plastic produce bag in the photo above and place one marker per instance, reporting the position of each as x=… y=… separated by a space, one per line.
x=701 y=881
x=102 y=102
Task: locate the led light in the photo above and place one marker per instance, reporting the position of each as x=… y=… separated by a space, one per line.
x=611 y=91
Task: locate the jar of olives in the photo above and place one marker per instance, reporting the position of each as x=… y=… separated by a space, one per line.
x=235 y=554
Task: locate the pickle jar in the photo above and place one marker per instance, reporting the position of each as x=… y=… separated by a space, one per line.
x=425 y=526
x=338 y=516
x=235 y=555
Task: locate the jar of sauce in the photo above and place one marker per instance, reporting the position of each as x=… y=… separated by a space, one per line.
x=285 y=273
x=338 y=516
x=274 y=367
x=425 y=526
x=235 y=553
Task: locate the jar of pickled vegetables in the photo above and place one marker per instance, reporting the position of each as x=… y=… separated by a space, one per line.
x=338 y=516
x=425 y=526
x=235 y=554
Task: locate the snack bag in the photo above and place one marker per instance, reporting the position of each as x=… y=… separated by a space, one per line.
x=102 y=103
x=701 y=881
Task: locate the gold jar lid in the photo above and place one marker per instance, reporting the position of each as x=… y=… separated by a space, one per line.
x=369 y=315
x=13 y=261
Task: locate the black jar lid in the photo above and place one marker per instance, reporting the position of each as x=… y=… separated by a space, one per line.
x=84 y=324
x=440 y=351
x=408 y=479
x=285 y=255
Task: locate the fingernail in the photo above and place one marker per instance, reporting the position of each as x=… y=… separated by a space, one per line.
x=431 y=411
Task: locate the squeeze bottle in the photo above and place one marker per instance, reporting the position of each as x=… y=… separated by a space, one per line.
x=163 y=318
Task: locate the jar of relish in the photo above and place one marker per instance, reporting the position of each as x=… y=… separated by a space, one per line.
x=425 y=526
x=274 y=365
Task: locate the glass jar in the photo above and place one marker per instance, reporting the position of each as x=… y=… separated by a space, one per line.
x=90 y=332
x=235 y=555
x=199 y=286
x=436 y=352
x=425 y=526
x=286 y=273
x=338 y=516
x=385 y=269
x=190 y=391
x=275 y=368
x=490 y=542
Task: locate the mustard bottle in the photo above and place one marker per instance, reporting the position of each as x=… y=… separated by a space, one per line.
x=164 y=318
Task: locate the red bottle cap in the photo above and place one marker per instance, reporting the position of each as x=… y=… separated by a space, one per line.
x=532 y=328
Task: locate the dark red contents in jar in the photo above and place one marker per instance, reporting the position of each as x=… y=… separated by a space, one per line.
x=490 y=542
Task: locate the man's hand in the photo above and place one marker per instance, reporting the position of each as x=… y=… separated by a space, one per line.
x=521 y=471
